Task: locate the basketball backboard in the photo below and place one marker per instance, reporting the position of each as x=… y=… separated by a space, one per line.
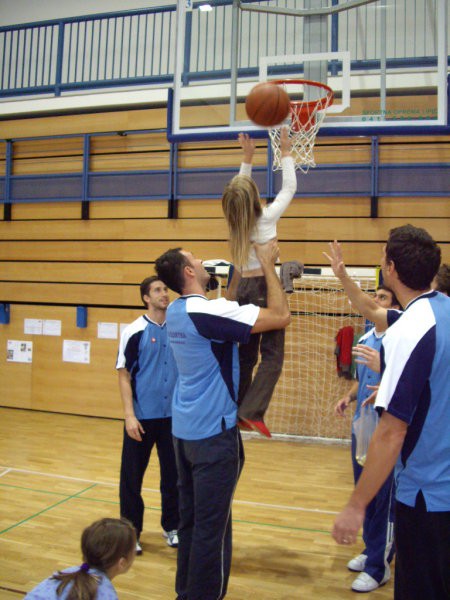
x=386 y=61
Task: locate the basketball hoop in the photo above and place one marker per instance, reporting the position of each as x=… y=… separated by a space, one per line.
x=306 y=117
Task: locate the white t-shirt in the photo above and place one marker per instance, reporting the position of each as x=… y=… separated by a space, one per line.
x=266 y=225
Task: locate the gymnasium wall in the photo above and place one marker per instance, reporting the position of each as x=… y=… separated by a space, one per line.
x=52 y=260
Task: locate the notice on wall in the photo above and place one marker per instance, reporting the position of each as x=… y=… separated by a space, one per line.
x=42 y=326
x=51 y=327
x=76 y=351
x=107 y=331
x=32 y=326
x=18 y=351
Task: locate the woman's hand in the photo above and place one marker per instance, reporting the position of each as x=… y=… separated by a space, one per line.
x=248 y=147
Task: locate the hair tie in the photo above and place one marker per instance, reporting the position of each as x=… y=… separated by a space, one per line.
x=84 y=567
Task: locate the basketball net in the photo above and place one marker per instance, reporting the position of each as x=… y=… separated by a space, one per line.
x=304 y=121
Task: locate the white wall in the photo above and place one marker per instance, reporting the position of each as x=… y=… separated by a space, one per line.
x=15 y=12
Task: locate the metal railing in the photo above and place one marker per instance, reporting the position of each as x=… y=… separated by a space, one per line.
x=115 y=49
x=133 y=48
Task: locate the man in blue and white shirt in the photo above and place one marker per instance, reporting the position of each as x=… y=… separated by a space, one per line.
x=378 y=527
x=147 y=375
x=208 y=447
x=414 y=401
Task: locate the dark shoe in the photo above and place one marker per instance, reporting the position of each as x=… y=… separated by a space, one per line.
x=258 y=426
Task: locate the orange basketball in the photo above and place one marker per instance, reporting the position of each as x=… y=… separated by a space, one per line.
x=267 y=104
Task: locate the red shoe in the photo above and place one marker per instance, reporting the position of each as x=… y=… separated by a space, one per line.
x=243 y=426
x=258 y=426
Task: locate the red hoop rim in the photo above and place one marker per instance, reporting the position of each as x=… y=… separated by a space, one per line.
x=299 y=105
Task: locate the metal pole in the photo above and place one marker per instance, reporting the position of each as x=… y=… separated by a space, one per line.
x=374 y=178
x=59 y=59
x=235 y=21
x=334 y=40
x=85 y=192
x=306 y=12
x=179 y=52
x=442 y=34
x=383 y=60
x=7 y=213
x=187 y=49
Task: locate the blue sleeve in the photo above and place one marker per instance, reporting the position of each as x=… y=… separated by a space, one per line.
x=214 y=327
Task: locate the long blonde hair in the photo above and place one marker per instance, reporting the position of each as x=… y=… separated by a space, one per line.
x=241 y=206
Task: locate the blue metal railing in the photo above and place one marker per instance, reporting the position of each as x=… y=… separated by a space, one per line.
x=96 y=51
x=136 y=47
x=371 y=179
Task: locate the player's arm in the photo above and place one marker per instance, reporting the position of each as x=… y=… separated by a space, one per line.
x=275 y=209
x=359 y=299
x=373 y=396
x=365 y=355
x=248 y=147
x=384 y=448
x=277 y=314
x=132 y=425
x=231 y=293
x=342 y=404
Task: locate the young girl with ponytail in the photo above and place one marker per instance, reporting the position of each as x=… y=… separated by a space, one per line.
x=108 y=547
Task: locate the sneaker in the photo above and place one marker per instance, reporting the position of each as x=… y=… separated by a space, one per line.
x=138 y=548
x=357 y=564
x=258 y=426
x=365 y=583
x=171 y=538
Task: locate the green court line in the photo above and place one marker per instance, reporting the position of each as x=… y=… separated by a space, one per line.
x=152 y=508
x=47 y=509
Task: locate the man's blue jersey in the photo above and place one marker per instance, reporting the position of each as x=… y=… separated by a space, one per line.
x=415 y=387
x=366 y=376
x=203 y=335
x=145 y=352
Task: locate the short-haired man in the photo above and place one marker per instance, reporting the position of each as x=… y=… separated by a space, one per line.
x=147 y=375
x=204 y=335
x=414 y=399
x=378 y=527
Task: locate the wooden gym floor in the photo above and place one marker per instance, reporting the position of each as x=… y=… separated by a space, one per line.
x=58 y=473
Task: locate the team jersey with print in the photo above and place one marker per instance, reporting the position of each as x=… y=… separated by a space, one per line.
x=415 y=388
x=145 y=352
x=366 y=376
x=203 y=335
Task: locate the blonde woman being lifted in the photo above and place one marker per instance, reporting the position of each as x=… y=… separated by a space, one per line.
x=249 y=222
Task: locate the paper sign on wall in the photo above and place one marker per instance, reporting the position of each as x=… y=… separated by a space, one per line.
x=42 y=327
x=107 y=331
x=51 y=327
x=76 y=351
x=32 y=326
x=18 y=351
